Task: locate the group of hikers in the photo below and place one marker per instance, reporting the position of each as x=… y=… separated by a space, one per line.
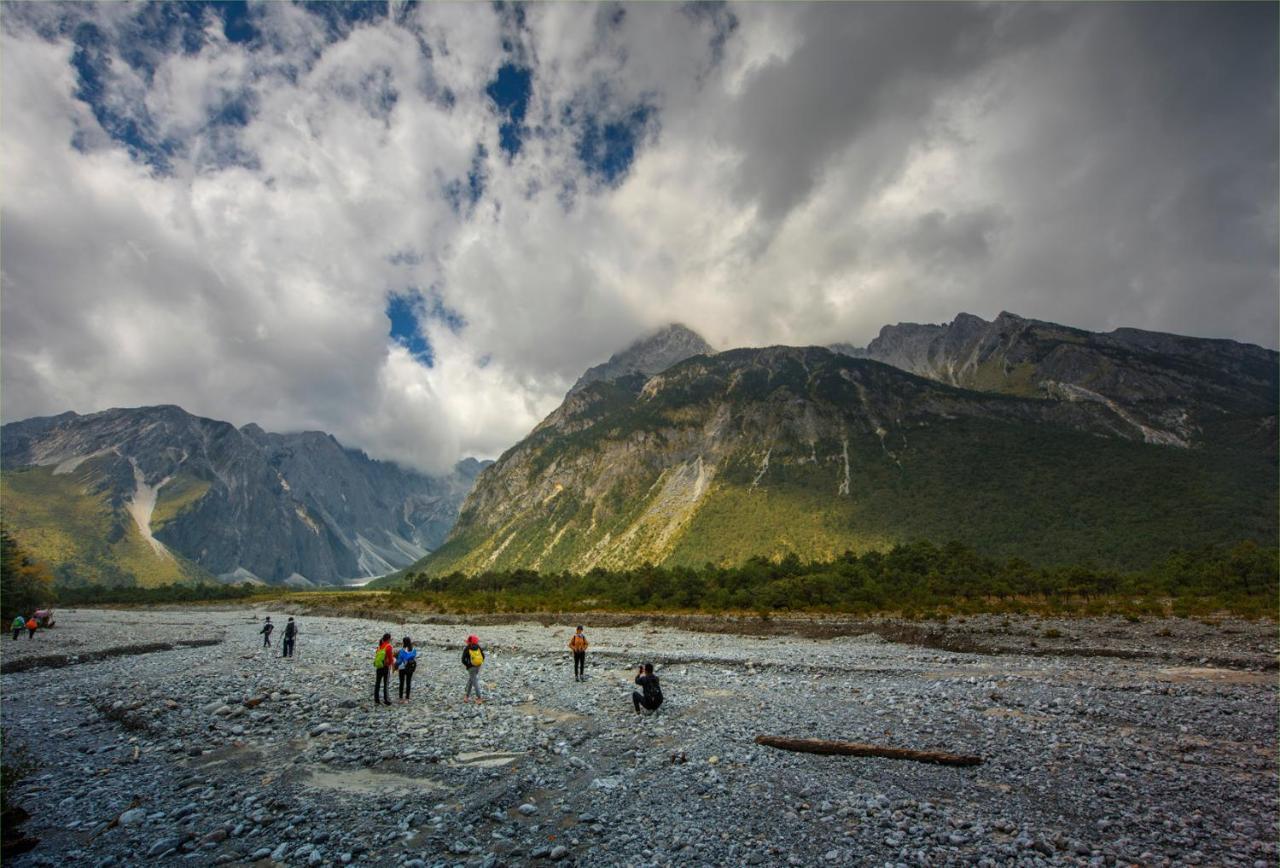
x=290 y=636
x=29 y=624
x=404 y=662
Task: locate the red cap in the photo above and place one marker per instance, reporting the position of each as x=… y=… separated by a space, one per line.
x=473 y=640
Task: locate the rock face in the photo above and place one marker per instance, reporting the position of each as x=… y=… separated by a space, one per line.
x=210 y=498
x=652 y=355
x=801 y=450
x=1170 y=389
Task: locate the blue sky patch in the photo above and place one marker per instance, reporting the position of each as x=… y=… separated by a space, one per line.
x=403 y=311
x=510 y=92
x=407 y=310
x=608 y=148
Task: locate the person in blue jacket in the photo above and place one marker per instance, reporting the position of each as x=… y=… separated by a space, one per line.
x=406 y=663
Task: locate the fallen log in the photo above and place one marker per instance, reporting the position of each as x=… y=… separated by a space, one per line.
x=850 y=748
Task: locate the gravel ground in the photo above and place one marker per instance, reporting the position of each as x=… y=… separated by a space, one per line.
x=228 y=753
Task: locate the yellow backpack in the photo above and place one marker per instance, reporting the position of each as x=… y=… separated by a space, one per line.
x=477 y=656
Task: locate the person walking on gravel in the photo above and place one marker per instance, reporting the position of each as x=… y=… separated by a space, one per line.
x=266 y=632
x=32 y=625
x=578 y=645
x=406 y=664
x=383 y=659
x=473 y=659
x=18 y=623
x=290 y=636
x=651 y=697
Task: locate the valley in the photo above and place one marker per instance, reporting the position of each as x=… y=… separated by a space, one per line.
x=228 y=753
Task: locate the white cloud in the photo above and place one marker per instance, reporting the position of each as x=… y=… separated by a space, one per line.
x=805 y=175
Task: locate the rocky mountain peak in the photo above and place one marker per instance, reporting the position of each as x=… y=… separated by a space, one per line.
x=650 y=355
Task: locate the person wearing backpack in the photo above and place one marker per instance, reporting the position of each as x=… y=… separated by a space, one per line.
x=578 y=645
x=651 y=698
x=266 y=632
x=383 y=659
x=290 y=636
x=473 y=659
x=18 y=623
x=406 y=664
x=32 y=625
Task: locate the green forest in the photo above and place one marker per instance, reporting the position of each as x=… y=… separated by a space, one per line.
x=916 y=579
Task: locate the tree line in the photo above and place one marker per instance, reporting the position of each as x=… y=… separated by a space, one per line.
x=914 y=578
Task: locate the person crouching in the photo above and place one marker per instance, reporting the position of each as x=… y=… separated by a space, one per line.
x=649 y=697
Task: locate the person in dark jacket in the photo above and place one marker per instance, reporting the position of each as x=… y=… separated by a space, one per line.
x=649 y=696
x=290 y=636
x=266 y=632
x=473 y=659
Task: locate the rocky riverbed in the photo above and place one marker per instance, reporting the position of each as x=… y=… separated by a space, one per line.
x=228 y=753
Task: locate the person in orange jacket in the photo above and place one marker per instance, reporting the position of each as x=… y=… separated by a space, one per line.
x=32 y=624
x=383 y=659
x=578 y=645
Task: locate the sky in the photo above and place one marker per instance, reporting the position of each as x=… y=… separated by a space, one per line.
x=415 y=225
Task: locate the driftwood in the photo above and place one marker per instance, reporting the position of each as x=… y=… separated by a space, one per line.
x=849 y=748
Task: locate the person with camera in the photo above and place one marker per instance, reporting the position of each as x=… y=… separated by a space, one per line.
x=649 y=697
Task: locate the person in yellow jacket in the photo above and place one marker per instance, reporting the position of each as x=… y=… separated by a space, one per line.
x=578 y=645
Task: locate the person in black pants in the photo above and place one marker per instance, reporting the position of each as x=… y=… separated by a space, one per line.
x=266 y=632
x=406 y=665
x=290 y=636
x=382 y=661
x=651 y=697
x=578 y=645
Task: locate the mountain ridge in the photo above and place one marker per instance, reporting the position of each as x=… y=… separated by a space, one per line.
x=668 y=467
x=234 y=502
x=652 y=354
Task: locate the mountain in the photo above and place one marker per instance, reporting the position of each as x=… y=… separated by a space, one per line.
x=155 y=495
x=651 y=355
x=1169 y=389
x=778 y=450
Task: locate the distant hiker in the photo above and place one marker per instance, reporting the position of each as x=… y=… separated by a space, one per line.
x=383 y=659
x=32 y=624
x=473 y=659
x=406 y=663
x=290 y=636
x=18 y=624
x=266 y=632
x=651 y=698
x=578 y=645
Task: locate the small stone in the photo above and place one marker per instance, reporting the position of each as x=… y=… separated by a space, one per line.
x=164 y=845
x=559 y=852
x=528 y=809
x=133 y=817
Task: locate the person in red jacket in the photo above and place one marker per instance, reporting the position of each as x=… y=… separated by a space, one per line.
x=473 y=659
x=383 y=659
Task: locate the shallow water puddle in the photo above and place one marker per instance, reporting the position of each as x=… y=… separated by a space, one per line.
x=366 y=781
